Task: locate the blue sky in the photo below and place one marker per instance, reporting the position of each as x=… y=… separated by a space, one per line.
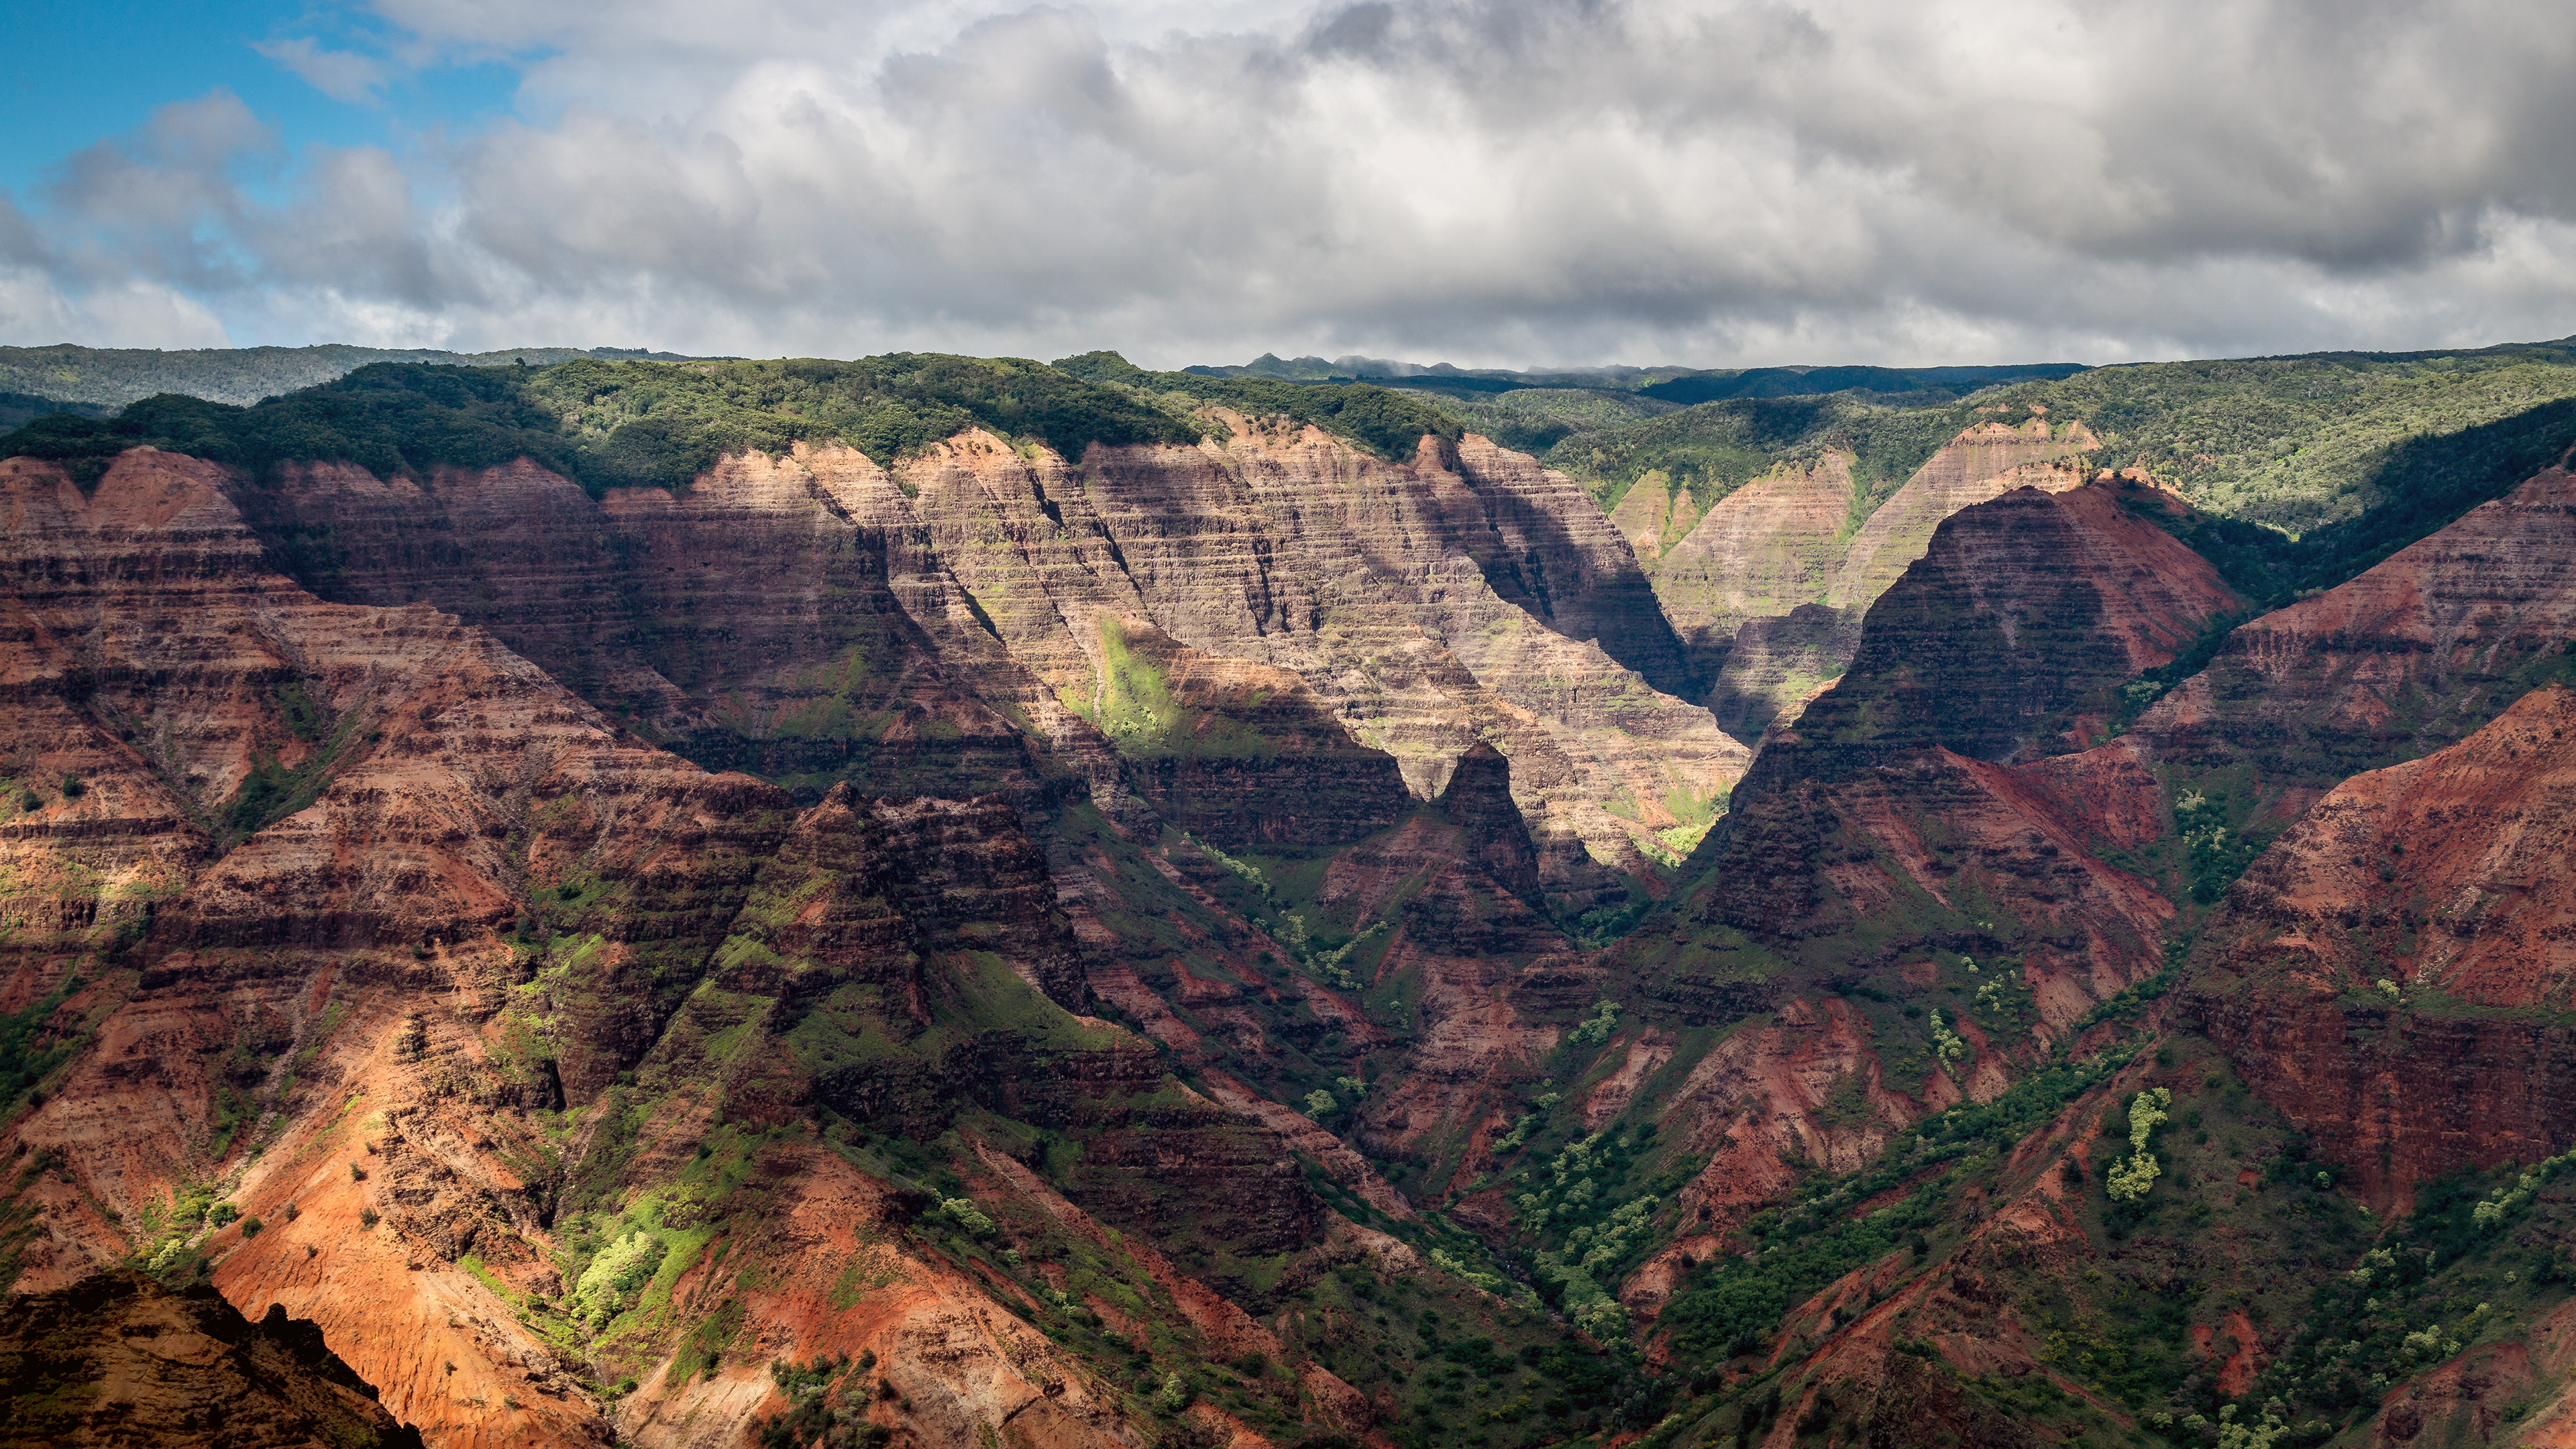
x=1513 y=182
x=101 y=68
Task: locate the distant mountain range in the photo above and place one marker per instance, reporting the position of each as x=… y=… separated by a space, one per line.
x=1678 y=385
x=111 y=377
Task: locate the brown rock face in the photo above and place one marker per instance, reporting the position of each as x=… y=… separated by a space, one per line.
x=119 y=1359
x=2025 y=607
x=1241 y=754
x=1769 y=547
x=1785 y=545
x=1917 y=843
x=2414 y=654
x=782 y=615
x=1985 y=462
x=812 y=618
x=2452 y=873
x=347 y=895
x=2450 y=878
x=1889 y=798
x=1427 y=606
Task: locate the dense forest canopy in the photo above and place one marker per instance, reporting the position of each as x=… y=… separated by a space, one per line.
x=2298 y=445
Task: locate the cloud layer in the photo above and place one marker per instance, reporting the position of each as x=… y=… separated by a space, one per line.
x=1520 y=181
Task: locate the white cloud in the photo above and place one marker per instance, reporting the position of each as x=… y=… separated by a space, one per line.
x=1523 y=181
x=340 y=74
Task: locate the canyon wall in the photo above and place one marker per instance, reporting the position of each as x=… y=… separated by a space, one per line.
x=1748 y=583
x=2448 y=879
x=442 y=971
x=959 y=625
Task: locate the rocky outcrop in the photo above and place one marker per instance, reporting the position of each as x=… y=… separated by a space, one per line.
x=119 y=1359
x=2025 y=611
x=1244 y=755
x=1461 y=597
x=2448 y=879
x=940 y=630
x=1760 y=552
x=347 y=902
x=1905 y=791
x=1653 y=515
x=1955 y=853
x=2412 y=655
x=783 y=615
x=2449 y=874
x=1984 y=462
x=1786 y=544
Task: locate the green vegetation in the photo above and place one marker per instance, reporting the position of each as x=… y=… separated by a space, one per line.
x=98 y=380
x=615 y=424
x=609 y=424
x=17 y=409
x=1388 y=423
x=1731 y=1306
x=1718 y=447
x=28 y=1051
x=2295 y=442
x=1139 y=713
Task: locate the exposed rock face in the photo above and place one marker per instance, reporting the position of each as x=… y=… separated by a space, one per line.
x=1241 y=754
x=1784 y=544
x=1765 y=549
x=1481 y=973
x=119 y=1359
x=2452 y=873
x=1889 y=796
x=1653 y=516
x=482 y=898
x=2450 y=877
x=2025 y=607
x=2410 y=656
x=1933 y=844
x=781 y=615
x=1987 y=461
x=1430 y=606
x=812 y=618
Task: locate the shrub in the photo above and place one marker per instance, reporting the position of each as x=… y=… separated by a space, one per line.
x=621 y=1268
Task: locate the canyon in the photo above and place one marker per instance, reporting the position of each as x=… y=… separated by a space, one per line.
x=1284 y=940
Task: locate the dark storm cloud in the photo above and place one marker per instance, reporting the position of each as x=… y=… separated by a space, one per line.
x=1510 y=182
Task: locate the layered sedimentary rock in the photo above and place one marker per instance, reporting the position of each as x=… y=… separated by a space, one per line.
x=2410 y=656
x=1653 y=515
x=1241 y=754
x=119 y=1359
x=782 y=615
x=2026 y=609
x=1984 y=462
x=1457 y=598
x=1761 y=551
x=1898 y=827
x=344 y=903
x=1785 y=544
x=813 y=618
x=2375 y=974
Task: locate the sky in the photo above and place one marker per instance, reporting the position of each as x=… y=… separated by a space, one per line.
x=1512 y=183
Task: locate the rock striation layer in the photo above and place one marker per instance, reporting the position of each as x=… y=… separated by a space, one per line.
x=349 y=906
x=119 y=1359
x=2447 y=879
x=2412 y=655
x=1792 y=543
